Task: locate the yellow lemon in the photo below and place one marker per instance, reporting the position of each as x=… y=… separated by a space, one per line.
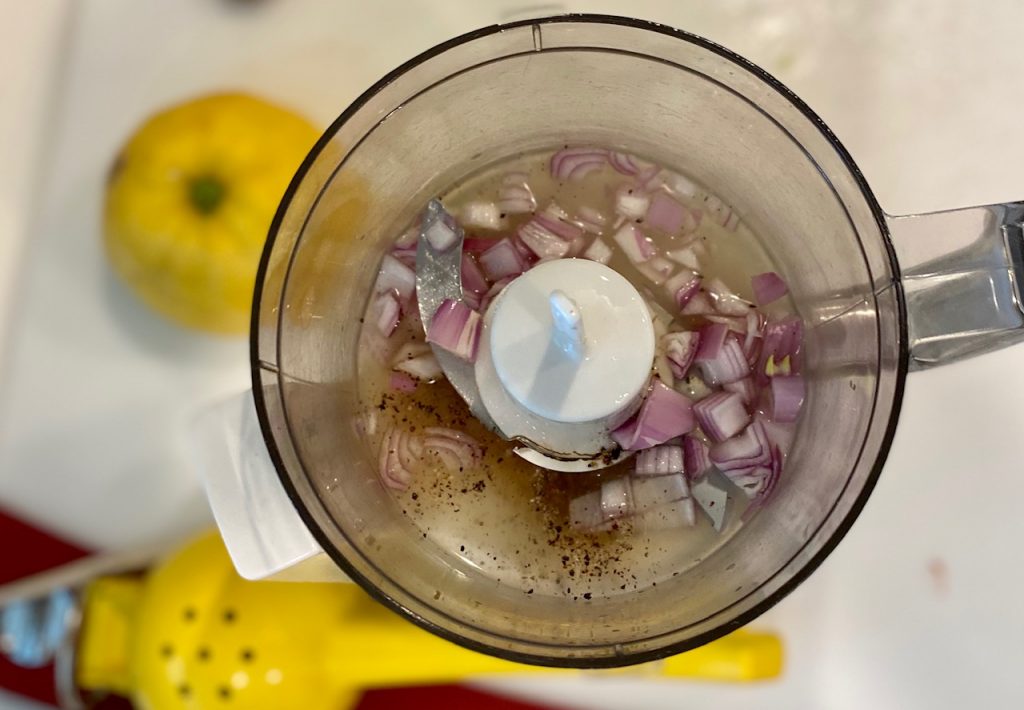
x=189 y=202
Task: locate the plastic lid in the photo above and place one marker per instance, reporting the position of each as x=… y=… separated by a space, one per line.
x=572 y=341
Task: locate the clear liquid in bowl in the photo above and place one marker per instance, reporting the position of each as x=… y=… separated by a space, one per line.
x=502 y=515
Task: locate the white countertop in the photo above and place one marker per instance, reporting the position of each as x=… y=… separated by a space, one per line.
x=917 y=608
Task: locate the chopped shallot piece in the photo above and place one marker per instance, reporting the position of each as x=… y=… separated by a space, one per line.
x=695 y=457
x=406 y=255
x=746 y=451
x=693 y=387
x=457 y=450
x=591 y=220
x=515 y=196
x=687 y=257
x=721 y=415
x=441 y=235
x=662 y=369
x=756 y=322
x=540 y=237
x=598 y=251
x=418 y=360
x=585 y=512
x=699 y=304
x=663 y=415
x=768 y=287
x=409 y=351
x=785 y=397
x=652 y=491
x=616 y=498
x=661 y=318
x=501 y=260
x=524 y=251
x=473 y=278
x=485 y=215
x=679 y=184
x=666 y=214
x=630 y=203
x=455 y=327
x=657 y=269
x=726 y=302
x=669 y=516
x=577 y=163
x=633 y=243
x=722 y=213
x=409 y=237
x=557 y=221
x=735 y=324
x=396 y=277
x=680 y=348
x=575 y=247
x=728 y=364
x=388 y=313
x=424 y=367
x=496 y=288
x=476 y=245
x=472 y=299
x=394 y=460
x=659 y=461
x=779 y=433
x=691 y=220
x=401 y=382
x=629 y=164
x=744 y=388
x=712 y=338
x=683 y=286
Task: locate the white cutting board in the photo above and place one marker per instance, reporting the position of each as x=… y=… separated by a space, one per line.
x=917 y=608
x=97 y=391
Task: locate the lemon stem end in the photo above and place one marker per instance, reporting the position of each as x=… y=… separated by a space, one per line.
x=206 y=192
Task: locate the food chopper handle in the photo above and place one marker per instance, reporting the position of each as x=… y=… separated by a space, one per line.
x=962 y=272
x=262 y=531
